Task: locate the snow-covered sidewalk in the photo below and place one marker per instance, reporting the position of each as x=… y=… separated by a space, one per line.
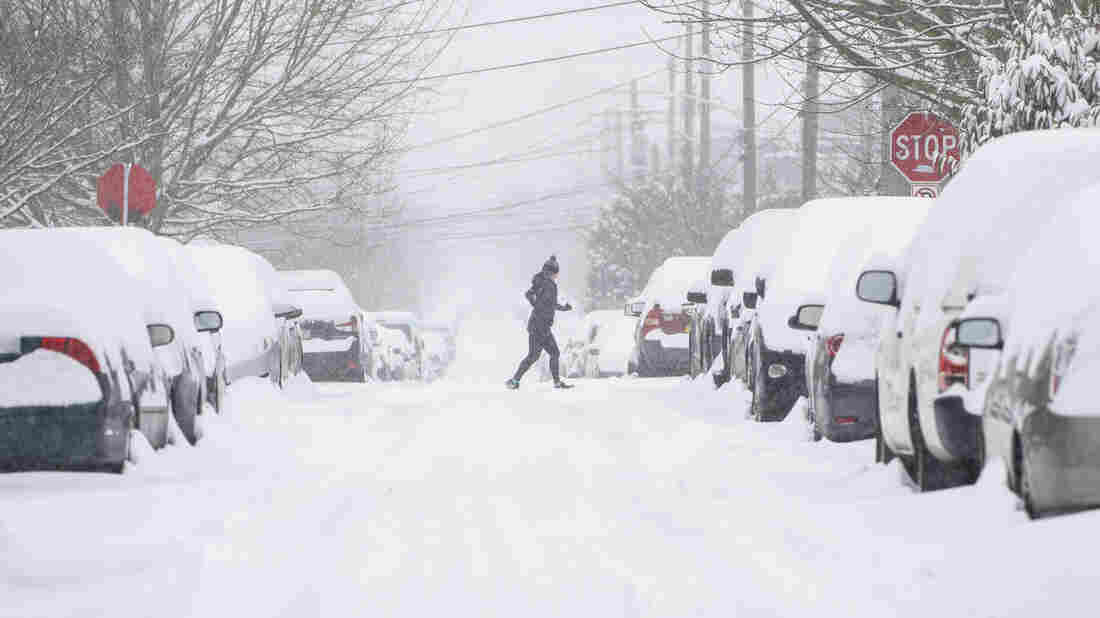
x=620 y=498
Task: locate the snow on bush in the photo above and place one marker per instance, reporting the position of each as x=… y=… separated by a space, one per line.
x=1050 y=76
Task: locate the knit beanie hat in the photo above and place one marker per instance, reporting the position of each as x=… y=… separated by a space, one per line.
x=551 y=266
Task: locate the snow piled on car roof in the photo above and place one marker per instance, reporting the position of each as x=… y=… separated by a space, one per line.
x=988 y=215
x=61 y=285
x=669 y=283
x=886 y=234
x=244 y=298
x=320 y=294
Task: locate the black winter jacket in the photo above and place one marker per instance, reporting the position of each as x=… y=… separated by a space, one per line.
x=543 y=297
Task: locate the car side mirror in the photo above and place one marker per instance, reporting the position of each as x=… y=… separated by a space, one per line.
x=879 y=287
x=761 y=286
x=287 y=312
x=749 y=300
x=982 y=333
x=807 y=317
x=697 y=298
x=634 y=310
x=160 y=334
x=208 y=321
x=722 y=277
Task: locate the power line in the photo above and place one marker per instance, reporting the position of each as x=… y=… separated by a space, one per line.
x=512 y=20
x=492 y=162
x=529 y=115
x=516 y=65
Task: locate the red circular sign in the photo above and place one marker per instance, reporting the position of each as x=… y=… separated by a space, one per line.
x=924 y=147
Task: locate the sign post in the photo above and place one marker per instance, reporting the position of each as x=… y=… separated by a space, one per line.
x=925 y=149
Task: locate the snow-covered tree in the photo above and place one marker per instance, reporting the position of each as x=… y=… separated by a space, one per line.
x=1050 y=77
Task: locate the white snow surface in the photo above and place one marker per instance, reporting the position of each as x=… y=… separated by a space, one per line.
x=669 y=283
x=46 y=378
x=614 y=339
x=313 y=346
x=623 y=497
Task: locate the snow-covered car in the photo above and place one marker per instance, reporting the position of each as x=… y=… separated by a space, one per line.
x=713 y=311
x=438 y=350
x=408 y=355
x=610 y=338
x=259 y=334
x=1040 y=412
x=208 y=321
x=1013 y=184
x=332 y=325
x=840 y=360
x=661 y=336
x=793 y=300
x=77 y=366
x=702 y=346
x=164 y=296
x=391 y=353
x=762 y=242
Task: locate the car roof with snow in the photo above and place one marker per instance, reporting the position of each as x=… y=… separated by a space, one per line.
x=989 y=213
x=670 y=281
x=320 y=294
x=66 y=286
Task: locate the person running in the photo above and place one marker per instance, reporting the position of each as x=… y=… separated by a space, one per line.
x=543 y=297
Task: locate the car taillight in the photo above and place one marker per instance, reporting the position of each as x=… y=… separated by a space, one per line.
x=69 y=346
x=652 y=320
x=1062 y=354
x=954 y=361
x=832 y=344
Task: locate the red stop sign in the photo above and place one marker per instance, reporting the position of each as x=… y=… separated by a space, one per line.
x=924 y=147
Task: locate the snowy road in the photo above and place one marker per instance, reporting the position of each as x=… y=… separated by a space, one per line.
x=620 y=498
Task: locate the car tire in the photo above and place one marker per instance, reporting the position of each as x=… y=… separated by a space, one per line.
x=930 y=473
x=1023 y=482
x=883 y=454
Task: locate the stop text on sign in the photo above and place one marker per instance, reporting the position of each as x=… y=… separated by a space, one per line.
x=924 y=147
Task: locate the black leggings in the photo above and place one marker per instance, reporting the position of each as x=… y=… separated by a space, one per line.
x=536 y=343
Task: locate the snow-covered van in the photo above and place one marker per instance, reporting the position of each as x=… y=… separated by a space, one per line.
x=77 y=366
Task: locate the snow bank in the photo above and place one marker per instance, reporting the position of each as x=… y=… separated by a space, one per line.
x=46 y=378
x=614 y=339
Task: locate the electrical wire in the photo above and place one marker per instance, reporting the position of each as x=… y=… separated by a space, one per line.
x=526 y=63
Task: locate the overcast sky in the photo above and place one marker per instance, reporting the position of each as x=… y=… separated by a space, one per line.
x=515 y=243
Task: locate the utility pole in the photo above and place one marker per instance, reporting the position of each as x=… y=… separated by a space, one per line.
x=637 y=136
x=619 y=144
x=704 y=104
x=671 y=124
x=891 y=182
x=654 y=160
x=810 y=111
x=688 y=158
x=748 y=104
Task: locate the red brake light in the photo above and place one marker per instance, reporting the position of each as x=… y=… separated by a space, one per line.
x=73 y=348
x=832 y=344
x=954 y=361
x=652 y=320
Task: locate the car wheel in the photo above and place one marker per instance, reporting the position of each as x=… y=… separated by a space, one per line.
x=1023 y=481
x=883 y=454
x=929 y=470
